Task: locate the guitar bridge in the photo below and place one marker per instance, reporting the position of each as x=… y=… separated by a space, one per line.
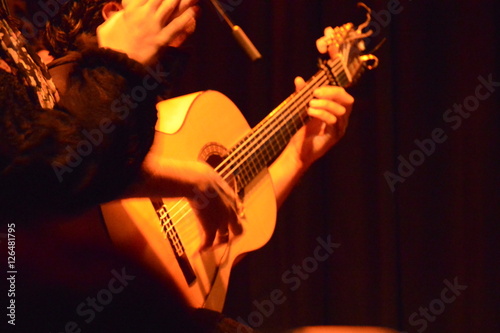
x=170 y=233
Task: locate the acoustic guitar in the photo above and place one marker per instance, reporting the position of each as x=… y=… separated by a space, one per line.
x=166 y=233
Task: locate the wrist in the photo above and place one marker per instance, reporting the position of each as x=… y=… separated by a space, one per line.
x=295 y=158
x=286 y=171
x=291 y=159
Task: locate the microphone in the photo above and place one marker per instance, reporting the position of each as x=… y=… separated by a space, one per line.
x=238 y=34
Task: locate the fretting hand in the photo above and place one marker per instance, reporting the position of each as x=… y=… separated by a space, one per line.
x=329 y=111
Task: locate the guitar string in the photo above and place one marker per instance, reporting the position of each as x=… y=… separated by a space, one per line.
x=254 y=141
x=267 y=128
x=291 y=106
x=289 y=120
x=334 y=64
x=174 y=215
x=287 y=104
x=287 y=113
x=299 y=99
x=180 y=218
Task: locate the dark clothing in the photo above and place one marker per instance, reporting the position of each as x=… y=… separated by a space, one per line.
x=89 y=148
x=71 y=279
x=113 y=100
x=85 y=151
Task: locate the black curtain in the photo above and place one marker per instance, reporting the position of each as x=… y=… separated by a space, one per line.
x=408 y=201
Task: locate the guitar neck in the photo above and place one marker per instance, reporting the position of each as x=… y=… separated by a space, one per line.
x=260 y=147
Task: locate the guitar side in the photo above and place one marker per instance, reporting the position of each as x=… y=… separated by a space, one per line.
x=200 y=126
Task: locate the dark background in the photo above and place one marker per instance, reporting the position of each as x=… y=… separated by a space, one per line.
x=397 y=248
x=398 y=251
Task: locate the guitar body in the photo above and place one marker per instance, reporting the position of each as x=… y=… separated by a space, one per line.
x=200 y=126
x=206 y=126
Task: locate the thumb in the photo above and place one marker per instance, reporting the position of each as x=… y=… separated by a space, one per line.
x=299 y=83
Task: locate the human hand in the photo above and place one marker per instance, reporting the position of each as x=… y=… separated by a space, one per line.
x=142 y=27
x=216 y=204
x=329 y=112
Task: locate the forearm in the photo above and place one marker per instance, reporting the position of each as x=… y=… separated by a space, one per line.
x=162 y=177
x=211 y=198
x=285 y=173
x=171 y=178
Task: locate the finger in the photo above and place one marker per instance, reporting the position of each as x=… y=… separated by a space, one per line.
x=299 y=83
x=183 y=6
x=231 y=199
x=329 y=106
x=164 y=10
x=237 y=208
x=334 y=93
x=235 y=225
x=183 y=25
x=169 y=11
x=322 y=115
x=134 y=4
x=209 y=238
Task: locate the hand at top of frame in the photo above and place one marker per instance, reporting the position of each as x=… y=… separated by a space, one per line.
x=141 y=27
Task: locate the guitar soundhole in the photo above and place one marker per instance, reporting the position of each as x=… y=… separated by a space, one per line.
x=214 y=154
x=214 y=160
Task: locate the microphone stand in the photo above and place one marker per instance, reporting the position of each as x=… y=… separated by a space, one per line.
x=3 y=4
x=238 y=34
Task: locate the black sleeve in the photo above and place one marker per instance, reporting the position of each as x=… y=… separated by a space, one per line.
x=90 y=147
x=68 y=282
x=112 y=100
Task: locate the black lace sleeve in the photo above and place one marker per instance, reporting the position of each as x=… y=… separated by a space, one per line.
x=113 y=100
x=89 y=148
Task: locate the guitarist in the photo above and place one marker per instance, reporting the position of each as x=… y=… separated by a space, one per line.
x=79 y=19
x=72 y=279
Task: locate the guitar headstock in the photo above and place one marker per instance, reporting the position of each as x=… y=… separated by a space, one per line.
x=345 y=47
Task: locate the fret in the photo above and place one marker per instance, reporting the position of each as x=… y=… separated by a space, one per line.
x=260 y=147
x=243 y=162
x=243 y=179
x=267 y=140
x=253 y=166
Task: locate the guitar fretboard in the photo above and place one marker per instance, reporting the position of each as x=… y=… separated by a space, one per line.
x=266 y=141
